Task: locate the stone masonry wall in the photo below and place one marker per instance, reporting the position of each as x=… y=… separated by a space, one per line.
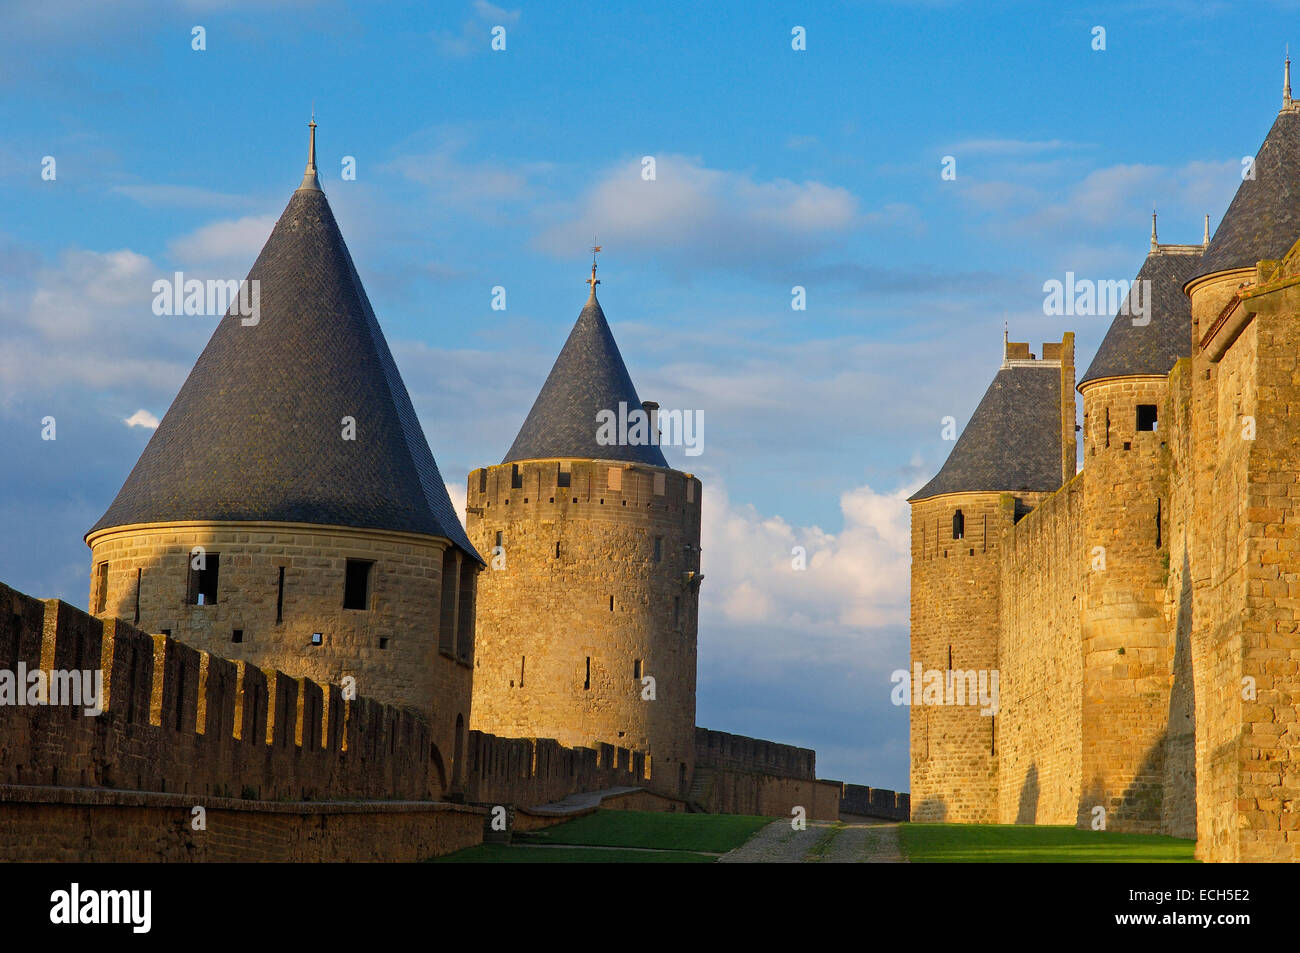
x=1040 y=660
x=955 y=624
x=179 y=720
x=391 y=648
x=595 y=587
x=1126 y=661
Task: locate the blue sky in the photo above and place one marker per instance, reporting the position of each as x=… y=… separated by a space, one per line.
x=477 y=168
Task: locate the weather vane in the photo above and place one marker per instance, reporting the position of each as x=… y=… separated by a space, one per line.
x=593 y=280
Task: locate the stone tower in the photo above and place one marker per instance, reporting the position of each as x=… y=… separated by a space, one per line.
x=288 y=511
x=1018 y=447
x=590 y=602
x=1243 y=459
x=1129 y=732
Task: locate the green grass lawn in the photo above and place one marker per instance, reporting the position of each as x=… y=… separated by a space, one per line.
x=717 y=833
x=1007 y=843
x=676 y=839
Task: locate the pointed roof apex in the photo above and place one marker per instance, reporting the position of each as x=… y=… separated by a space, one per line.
x=1206 y=240
x=588 y=378
x=1154 y=241
x=1286 y=79
x=309 y=179
x=593 y=280
x=254 y=435
x=1264 y=217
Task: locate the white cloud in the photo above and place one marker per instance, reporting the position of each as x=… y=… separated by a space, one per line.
x=855 y=579
x=692 y=213
x=180 y=196
x=1010 y=147
x=475 y=34
x=232 y=243
x=142 y=418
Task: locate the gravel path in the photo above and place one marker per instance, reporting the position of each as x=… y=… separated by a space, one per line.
x=854 y=842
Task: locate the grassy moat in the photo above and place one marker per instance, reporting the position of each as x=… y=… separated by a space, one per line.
x=648 y=837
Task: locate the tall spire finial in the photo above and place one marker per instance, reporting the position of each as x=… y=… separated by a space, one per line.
x=1206 y=239
x=1153 y=226
x=309 y=179
x=1286 y=79
x=593 y=280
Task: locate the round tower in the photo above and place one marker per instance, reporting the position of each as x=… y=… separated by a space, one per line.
x=1133 y=744
x=287 y=511
x=1017 y=448
x=587 y=611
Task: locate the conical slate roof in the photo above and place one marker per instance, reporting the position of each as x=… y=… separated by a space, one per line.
x=1154 y=347
x=589 y=376
x=256 y=432
x=1013 y=440
x=1263 y=220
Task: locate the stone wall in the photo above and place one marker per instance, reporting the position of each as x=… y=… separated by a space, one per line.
x=1126 y=660
x=955 y=625
x=1039 y=721
x=595 y=587
x=874 y=802
x=277 y=584
x=85 y=825
x=180 y=720
x=719 y=749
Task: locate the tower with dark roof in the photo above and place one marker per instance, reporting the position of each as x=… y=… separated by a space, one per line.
x=288 y=511
x=1126 y=713
x=587 y=612
x=1017 y=448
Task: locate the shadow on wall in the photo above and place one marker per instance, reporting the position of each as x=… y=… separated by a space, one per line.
x=1027 y=813
x=933 y=810
x=1179 y=818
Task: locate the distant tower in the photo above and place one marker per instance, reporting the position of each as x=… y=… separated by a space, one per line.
x=288 y=511
x=1133 y=743
x=1018 y=447
x=594 y=571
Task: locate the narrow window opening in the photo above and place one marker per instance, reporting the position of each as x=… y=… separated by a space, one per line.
x=317 y=638
x=557 y=549
x=279 y=598
x=636 y=669
x=139 y=576
x=1146 y=417
x=500 y=538
x=659 y=548
x=356 y=584
x=1107 y=426
x=203 y=582
x=101 y=587
x=950 y=658
x=383 y=641
x=482 y=480
x=1158 y=515
x=958 y=525
x=564 y=477
x=523 y=661
x=611 y=603
x=993 y=734
x=516 y=477
x=586 y=685
x=237 y=635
